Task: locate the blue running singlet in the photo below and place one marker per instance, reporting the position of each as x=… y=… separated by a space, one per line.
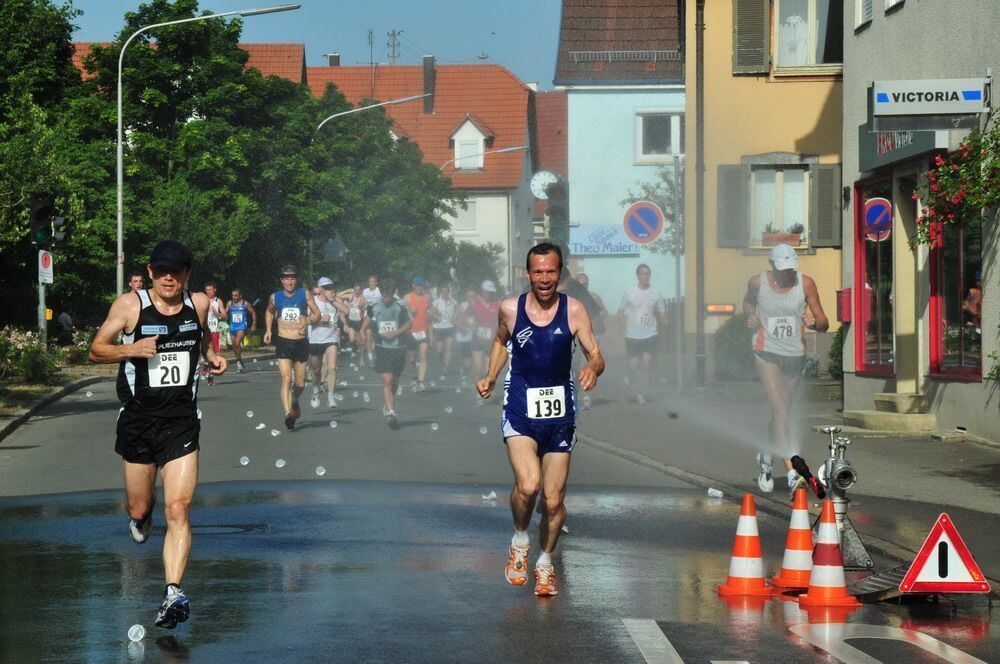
x=238 y=316
x=539 y=385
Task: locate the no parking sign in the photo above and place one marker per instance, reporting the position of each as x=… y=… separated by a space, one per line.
x=643 y=222
x=877 y=218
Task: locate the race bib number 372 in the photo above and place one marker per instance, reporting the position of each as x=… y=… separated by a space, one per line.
x=169 y=369
x=546 y=403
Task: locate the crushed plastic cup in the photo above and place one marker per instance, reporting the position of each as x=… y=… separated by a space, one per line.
x=271 y=363
x=399 y=391
x=261 y=426
x=449 y=410
x=320 y=471
x=458 y=390
x=333 y=424
x=275 y=433
x=88 y=395
x=435 y=426
x=356 y=369
x=354 y=394
x=483 y=430
x=279 y=463
x=136 y=633
x=714 y=493
x=433 y=384
x=249 y=413
x=338 y=396
x=314 y=402
x=492 y=495
x=244 y=460
x=366 y=397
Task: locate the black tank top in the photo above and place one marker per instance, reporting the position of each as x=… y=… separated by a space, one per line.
x=163 y=385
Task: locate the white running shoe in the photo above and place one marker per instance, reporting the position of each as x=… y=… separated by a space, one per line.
x=331 y=401
x=765 y=479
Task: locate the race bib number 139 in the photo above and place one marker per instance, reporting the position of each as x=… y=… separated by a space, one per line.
x=169 y=369
x=546 y=403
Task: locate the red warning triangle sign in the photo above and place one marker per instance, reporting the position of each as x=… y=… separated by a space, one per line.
x=944 y=564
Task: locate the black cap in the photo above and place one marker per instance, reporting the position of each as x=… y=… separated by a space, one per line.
x=170 y=254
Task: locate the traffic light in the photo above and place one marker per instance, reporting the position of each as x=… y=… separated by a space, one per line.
x=558 y=193
x=58 y=229
x=41 y=223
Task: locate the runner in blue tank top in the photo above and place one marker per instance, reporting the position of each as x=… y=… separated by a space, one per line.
x=536 y=331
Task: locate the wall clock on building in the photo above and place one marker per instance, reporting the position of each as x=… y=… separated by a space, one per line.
x=540 y=182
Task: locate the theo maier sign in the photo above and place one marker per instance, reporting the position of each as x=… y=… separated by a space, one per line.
x=603 y=240
x=946 y=96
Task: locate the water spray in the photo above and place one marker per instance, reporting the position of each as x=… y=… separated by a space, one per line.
x=837 y=475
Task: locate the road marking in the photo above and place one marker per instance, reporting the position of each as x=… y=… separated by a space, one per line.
x=833 y=639
x=652 y=642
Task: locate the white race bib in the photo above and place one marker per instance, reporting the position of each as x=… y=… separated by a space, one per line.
x=354 y=314
x=419 y=336
x=169 y=369
x=237 y=317
x=546 y=403
x=783 y=327
x=484 y=333
x=386 y=327
x=645 y=320
x=290 y=314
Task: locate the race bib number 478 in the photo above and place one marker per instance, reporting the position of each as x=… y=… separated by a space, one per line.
x=783 y=327
x=546 y=403
x=169 y=369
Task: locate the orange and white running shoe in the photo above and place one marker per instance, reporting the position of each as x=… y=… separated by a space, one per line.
x=517 y=566
x=545 y=581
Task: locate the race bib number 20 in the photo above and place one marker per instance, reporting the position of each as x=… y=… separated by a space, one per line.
x=169 y=369
x=546 y=403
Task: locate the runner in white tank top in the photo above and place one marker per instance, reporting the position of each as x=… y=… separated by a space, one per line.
x=780 y=304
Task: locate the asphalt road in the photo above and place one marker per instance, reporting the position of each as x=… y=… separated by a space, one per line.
x=392 y=554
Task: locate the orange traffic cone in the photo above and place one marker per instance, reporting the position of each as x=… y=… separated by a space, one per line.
x=826 y=583
x=797 y=563
x=746 y=567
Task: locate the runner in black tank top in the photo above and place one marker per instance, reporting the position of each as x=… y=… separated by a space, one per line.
x=163 y=333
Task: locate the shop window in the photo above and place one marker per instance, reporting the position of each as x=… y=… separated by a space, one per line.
x=874 y=331
x=809 y=33
x=956 y=299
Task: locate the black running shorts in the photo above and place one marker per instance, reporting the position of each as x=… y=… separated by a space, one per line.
x=636 y=347
x=296 y=350
x=789 y=365
x=155 y=440
x=390 y=360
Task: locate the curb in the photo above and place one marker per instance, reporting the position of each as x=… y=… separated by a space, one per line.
x=50 y=398
x=734 y=494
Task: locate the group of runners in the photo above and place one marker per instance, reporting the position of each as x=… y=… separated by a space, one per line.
x=160 y=335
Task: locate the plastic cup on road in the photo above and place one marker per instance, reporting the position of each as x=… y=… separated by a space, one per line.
x=714 y=493
x=89 y=393
x=244 y=460
x=458 y=390
x=279 y=463
x=333 y=424
x=275 y=432
x=449 y=410
x=435 y=426
x=249 y=413
x=354 y=394
x=136 y=633
x=320 y=471
x=483 y=430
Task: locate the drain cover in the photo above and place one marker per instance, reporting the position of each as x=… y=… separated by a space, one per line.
x=881 y=585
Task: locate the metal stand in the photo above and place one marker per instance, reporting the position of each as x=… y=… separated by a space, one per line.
x=838 y=476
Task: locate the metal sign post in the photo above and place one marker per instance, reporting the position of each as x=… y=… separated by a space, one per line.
x=678 y=307
x=44 y=277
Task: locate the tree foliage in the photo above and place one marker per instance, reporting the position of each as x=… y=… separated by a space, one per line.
x=216 y=155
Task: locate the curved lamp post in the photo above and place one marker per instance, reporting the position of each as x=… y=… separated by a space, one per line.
x=365 y=108
x=519 y=148
x=121 y=55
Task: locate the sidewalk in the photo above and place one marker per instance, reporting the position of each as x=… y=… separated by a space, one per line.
x=905 y=481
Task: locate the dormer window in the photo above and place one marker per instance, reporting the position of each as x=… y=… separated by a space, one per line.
x=470 y=140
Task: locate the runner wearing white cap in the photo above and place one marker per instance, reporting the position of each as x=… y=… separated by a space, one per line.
x=324 y=339
x=484 y=311
x=780 y=304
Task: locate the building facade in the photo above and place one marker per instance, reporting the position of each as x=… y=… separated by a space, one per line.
x=924 y=319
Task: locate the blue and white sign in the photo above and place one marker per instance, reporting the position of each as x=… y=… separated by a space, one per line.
x=878 y=218
x=604 y=240
x=945 y=96
x=643 y=222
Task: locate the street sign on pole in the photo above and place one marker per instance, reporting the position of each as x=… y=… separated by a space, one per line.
x=643 y=222
x=44 y=267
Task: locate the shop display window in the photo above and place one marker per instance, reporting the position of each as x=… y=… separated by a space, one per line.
x=874 y=332
x=956 y=300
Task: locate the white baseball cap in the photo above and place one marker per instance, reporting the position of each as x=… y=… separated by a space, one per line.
x=489 y=286
x=324 y=281
x=784 y=257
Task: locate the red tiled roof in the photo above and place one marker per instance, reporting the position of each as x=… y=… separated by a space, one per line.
x=551 y=139
x=490 y=92
x=284 y=60
x=617 y=41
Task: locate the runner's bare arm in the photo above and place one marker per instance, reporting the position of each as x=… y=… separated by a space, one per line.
x=498 y=351
x=750 y=301
x=340 y=306
x=217 y=362
x=253 y=317
x=268 y=318
x=123 y=315
x=814 y=310
x=580 y=325
x=314 y=313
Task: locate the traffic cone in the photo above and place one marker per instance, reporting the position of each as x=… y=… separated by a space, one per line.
x=797 y=562
x=746 y=567
x=826 y=583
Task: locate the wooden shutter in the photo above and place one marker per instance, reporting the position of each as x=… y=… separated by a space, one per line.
x=825 y=213
x=751 y=36
x=733 y=220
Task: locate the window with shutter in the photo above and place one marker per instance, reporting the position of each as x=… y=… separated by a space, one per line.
x=732 y=218
x=825 y=214
x=751 y=36
x=865 y=12
x=809 y=33
x=889 y=4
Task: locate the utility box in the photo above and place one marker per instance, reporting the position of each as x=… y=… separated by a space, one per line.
x=844 y=307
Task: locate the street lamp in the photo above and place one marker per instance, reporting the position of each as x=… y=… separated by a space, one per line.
x=365 y=108
x=121 y=56
x=519 y=148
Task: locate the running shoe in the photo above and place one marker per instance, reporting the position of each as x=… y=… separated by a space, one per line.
x=239 y=366
x=290 y=422
x=545 y=581
x=296 y=411
x=419 y=388
x=176 y=608
x=331 y=402
x=765 y=479
x=392 y=419
x=516 y=571
x=211 y=379
x=140 y=528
